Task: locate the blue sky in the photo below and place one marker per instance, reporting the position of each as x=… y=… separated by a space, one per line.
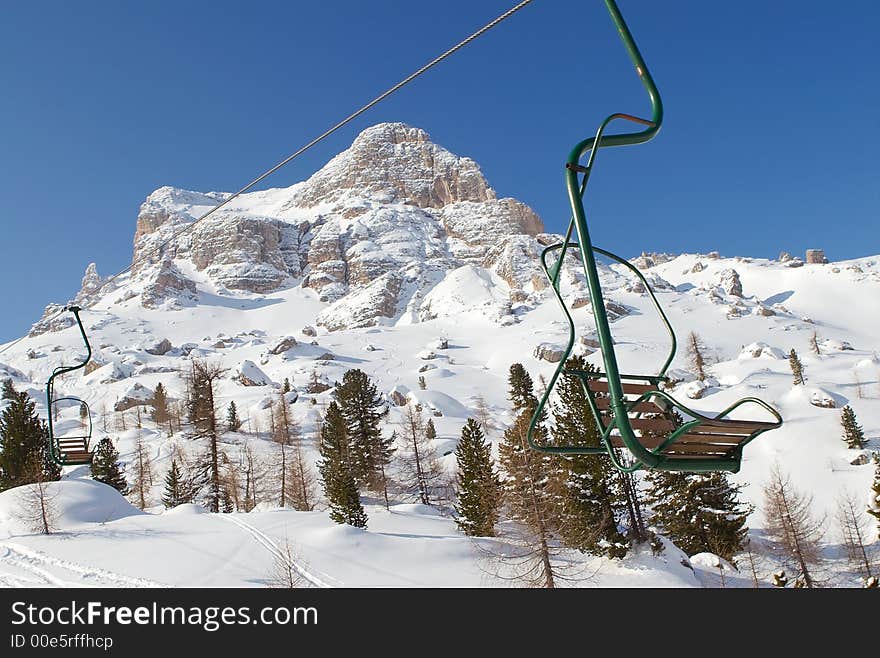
x=770 y=138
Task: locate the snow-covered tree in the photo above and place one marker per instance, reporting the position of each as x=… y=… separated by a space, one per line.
x=361 y=406
x=587 y=514
x=233 y=422
x=24 y=445
x=337 y=478
x=700 y=512
x=792 y=526
x=853 y=435
x=797 y=368
x=105 y=466
x=159 y=402
x=478 y=486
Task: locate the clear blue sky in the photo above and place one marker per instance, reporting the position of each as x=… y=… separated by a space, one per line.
x=770 y=141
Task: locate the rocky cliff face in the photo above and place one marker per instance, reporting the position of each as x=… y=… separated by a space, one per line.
x=371 y=233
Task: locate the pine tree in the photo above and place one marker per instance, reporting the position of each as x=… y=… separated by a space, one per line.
x=24 y=445
x=478 y=486
x=141 y=475
x=874 y=510
x=283 y=431
x=853 y=435
x=233 y=422
x=854 y=532
x=386 y=453
x=202 y=412
x=9 y=391
x=159 y=402
x=587 y=502
x=105 y=466
x=791 y=525
x=530 y=485
x=174 y=493
x=285 y=387
x=423 y=476
x=695 y=355
x=361 y=404
x=422 y=383
x=797 y=368
x=337 y=478
x=430 y=430
x=699 y=511
x=521 y=388
x=814 y=343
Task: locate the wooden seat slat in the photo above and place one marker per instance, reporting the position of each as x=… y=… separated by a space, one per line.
x=645 y=406
x=601 y=386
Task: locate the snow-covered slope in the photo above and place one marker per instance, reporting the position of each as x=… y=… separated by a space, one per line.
x=385 y=271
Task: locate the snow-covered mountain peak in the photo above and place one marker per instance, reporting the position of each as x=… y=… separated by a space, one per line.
x=397 y=162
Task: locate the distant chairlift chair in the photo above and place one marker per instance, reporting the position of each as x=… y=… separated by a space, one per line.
x=70 y=449
x=631 y=411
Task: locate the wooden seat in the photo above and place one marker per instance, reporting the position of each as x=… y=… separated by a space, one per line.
x=74 y=450
x=711 y=439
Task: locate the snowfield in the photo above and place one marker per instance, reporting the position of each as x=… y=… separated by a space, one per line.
x=103 y=540
x=406 y=273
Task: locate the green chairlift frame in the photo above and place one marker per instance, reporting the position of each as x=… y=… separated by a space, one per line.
x=698 y=426
x=69 y=450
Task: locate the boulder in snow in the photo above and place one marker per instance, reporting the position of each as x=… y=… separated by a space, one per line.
x=137 y=395
x=549 y=352
x=249 y=374
x=286 y=343
x=159 y=348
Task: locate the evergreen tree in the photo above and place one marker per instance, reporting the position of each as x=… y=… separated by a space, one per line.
x=430 y=430
x=797 y=368
x=360 y=404
x=587 y=501
x=478 y=486
x=9 y=391
x=24 y=445
x=105 y=466
x=423 y=476
x=233 y=422
x=699 y=511
x=814 y=343
x=791 y=525
x=875 y=493
x=285 y=387
x=337 y=478
x=853 y=435
x=202 y=412
x=521 y=388
x=175 y=490
x=531 y=484
x=695 y=355
x=386 y=453
x=160 y=414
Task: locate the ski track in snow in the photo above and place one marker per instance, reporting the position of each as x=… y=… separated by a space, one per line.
x=275 y=549
x=33 y=561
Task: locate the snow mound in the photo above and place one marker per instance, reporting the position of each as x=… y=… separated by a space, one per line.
x=437 y=401
x=75 y=501
x=468 y=289
x=761 y=351
x=187 y=509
